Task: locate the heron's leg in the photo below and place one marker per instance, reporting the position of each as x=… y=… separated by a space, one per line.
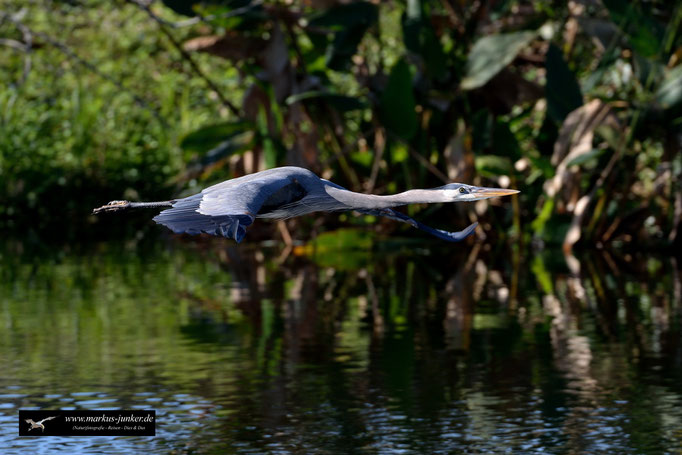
x=443 y=235
x=115 y=206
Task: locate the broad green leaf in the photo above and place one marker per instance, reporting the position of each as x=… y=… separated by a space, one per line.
x=562 y=89
x=493 y=165
x=208 y=137
x=492 y=53
x=398 y=103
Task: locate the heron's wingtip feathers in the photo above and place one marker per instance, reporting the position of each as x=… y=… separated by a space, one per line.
x=183 y=218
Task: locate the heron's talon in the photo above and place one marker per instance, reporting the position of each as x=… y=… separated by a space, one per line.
x=112 y=206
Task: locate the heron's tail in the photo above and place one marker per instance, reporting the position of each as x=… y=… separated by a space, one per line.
x=115 y=206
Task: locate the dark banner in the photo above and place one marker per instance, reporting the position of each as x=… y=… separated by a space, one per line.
x=87 y=423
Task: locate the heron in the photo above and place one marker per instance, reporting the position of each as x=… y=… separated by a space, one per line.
x=227 y=209
x=38 y=424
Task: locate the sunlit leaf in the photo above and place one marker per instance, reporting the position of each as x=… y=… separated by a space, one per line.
x=562 y=89
x=670 y=92
x=492 y=53
x=398 y=103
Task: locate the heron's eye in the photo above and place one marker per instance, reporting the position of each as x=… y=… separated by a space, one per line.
x=463 y=190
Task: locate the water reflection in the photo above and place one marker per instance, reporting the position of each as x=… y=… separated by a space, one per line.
x=400 y=348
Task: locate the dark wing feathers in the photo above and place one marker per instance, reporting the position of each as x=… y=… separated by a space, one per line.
x=226 y=209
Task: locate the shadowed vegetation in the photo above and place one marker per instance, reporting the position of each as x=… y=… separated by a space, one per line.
x=578 y=105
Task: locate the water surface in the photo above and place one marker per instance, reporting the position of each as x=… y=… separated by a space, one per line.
x=393 y=347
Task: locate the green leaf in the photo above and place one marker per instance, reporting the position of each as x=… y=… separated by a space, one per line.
x=562 y=89
x=420 y=38
x=234 y=145
x=585 y=157
x=346 y=249
x=542 y=164
x=344 y=46
x=341 y=103
x=346 y=15
x=644 y=33
x=208 y=137
x=490 y=54
x=398 y=103
x=493 y=165
x=186 y=8
x=350 y=23
x=670 y=92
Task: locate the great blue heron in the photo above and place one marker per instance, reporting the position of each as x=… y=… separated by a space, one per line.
x=228 y=208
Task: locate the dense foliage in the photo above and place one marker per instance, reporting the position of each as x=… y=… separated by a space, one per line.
x=579 y=105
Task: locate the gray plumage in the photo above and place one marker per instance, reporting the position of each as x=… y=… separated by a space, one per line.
x=229 y=208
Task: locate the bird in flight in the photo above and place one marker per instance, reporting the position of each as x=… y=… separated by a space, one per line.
x=39 y=424
x=227 y=209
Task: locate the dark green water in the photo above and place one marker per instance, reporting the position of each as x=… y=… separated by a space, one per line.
x=391 y=348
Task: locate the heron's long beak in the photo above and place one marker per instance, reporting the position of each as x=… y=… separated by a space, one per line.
x=485 y=193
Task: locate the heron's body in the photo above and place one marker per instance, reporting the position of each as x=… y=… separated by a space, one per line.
x=228 y=208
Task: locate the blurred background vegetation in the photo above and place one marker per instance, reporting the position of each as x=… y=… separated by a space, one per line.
x=577 y=104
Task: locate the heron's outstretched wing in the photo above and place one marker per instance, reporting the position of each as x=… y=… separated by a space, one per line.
x=444 y=235
x=228 y=208
x=49 y=418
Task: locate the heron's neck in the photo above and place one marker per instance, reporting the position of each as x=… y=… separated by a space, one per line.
x=418 y=196
x=372 y=201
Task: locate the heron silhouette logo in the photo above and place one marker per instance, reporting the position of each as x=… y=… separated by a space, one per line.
x=34 y=425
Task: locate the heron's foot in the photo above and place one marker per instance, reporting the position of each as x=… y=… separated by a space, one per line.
x=112 y=206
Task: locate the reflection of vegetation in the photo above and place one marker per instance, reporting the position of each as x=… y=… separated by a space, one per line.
x=305 y=355
x=564 y=100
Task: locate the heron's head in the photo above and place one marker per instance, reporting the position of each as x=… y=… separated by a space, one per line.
x=459 y=192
